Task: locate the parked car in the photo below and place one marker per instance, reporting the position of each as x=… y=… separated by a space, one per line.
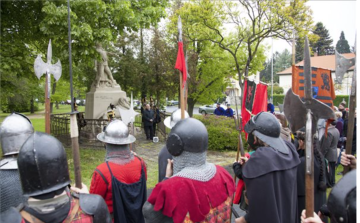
x=209 y=109
x=172 y=103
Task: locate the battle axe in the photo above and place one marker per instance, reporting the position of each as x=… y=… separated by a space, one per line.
x=302 y=113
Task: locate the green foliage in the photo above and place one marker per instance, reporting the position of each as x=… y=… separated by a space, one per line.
x=323 y=45
x=276 y=90
x=281 y=61
x=342 y=45
x=222 y=132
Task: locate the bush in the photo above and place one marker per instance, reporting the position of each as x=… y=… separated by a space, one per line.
x=222 y=132
x=17 y=104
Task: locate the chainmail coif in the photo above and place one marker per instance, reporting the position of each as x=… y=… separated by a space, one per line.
x=193 y=166
x=118 y=154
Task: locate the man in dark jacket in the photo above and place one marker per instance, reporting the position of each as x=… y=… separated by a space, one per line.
x=270 y=173
x=148 y=122
x=328 y=146
x=219 y=110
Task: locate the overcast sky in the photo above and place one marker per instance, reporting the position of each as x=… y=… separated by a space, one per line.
x=336 y=16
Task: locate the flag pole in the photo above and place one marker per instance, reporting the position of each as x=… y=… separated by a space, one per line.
x=181 y=96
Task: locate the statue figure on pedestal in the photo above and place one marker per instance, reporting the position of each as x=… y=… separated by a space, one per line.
x=104 y=76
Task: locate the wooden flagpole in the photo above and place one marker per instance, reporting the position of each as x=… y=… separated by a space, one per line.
x=182 y=97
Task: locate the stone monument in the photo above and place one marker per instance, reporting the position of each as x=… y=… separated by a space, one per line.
x=104 y=90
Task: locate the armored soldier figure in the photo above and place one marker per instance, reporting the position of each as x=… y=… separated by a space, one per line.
x=44 y=176
x=197 y=191
x=14 y=131
x=121 y=179
x=270 y=173
x=164 y=154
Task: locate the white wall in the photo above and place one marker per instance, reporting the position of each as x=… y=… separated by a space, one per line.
x=285 y=81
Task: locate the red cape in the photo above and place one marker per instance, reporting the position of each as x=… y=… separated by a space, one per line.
x=178 y=196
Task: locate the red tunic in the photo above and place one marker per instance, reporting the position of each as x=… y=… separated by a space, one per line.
x=182 y=198
x=128 y=173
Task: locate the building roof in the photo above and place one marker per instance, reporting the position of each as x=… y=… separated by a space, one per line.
x=325 y=62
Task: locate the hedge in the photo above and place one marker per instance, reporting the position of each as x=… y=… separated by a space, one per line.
x=222 y=132
x=279 y=98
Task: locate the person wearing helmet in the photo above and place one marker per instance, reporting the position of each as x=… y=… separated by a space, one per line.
x=341 y=204
x=270 y=173
x=219 y=110
x=121 y=179
x=197 y=191
x=14 y=131
x=164 y=154
x=229 y=112
x=44 y=176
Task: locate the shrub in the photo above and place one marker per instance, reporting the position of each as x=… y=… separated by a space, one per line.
x=222 y=132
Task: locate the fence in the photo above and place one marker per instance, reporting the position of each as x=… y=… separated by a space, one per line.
x=60 y=128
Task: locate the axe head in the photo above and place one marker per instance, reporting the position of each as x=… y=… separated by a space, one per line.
x=342 y=65
x=295 y=111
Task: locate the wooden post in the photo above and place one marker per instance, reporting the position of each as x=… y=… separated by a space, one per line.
x=47 y=104
x=182 y=97
x=74 y=134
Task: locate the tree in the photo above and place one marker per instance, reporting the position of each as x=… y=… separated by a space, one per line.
x=253 y=22
x=323 y=45
x=92 y=21
x=342 y=45
x=281 y=61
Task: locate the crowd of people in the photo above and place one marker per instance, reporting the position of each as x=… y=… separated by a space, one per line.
x=35 y=181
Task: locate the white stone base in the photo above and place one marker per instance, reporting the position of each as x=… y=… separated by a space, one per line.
x=97 y=101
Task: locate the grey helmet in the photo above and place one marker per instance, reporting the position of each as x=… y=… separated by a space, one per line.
x=171 y=121
x=14 y=131
x=266 y=127
x=117 y=133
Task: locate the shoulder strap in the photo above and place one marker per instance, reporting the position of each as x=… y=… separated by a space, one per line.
x=142 y=164
x=30 y=218
x=107 y=163
x=102 y=176
x=73 y=212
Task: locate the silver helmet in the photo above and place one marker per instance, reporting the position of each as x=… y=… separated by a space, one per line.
x=116 y=132
x=14 y=131
x=175 y=117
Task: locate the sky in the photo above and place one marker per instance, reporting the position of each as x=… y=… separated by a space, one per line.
x=336 y=15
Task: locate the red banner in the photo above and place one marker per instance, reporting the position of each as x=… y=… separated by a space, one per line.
x=180 y=62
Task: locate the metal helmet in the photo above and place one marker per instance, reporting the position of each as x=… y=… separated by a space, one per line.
x=187 y=135
x=266 y=127
x=42 y=164
x=14 y=131
x=116 y=132
x=171 y=121
x=342 y=199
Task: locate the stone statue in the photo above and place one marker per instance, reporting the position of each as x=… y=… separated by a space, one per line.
x=104 y=76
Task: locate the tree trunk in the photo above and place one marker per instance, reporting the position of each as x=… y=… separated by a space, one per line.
x=57 y=105
x=52 y=92
x=191 y=103
x=32 y=109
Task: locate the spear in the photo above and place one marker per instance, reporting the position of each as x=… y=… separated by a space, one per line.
x=74 y=133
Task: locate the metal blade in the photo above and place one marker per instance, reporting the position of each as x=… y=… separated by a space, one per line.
x=40 y=67
x=294 y=110
x=55 y=70
x=180 y=29
x=342 y=65
x=49 y=53
x=307 y=71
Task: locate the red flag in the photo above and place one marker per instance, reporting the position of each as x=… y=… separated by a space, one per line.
x=180 y=62
x=254 y=100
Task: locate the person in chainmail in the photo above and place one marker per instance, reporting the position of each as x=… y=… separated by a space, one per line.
x=121 y=179
x=14 y=131
x=164 y=154
x=193 y=190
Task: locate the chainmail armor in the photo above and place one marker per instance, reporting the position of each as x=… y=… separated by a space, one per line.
x=118 y=154
x=193 y=166
x=10 y=189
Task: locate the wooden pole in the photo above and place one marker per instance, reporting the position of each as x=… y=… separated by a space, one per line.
x=350 y=130
x=47 y=104
x=74 y=134
x=182 y=97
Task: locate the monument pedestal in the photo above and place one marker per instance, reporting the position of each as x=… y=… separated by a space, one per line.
x=97 y=101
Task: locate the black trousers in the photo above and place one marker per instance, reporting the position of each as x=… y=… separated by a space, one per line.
x=332 y=166
x=149 y=132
